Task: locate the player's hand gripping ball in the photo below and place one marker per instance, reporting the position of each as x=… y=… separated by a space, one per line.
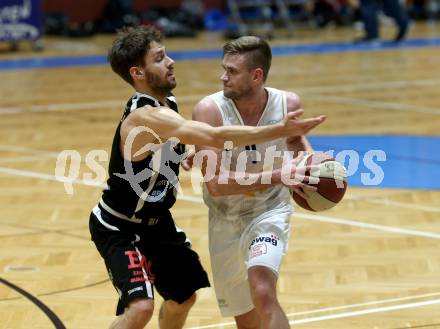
x=332 y=182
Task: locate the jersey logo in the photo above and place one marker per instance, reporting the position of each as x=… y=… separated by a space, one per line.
x=164 y=159
x=258 y=250
x=272 y=239
x=271 y=122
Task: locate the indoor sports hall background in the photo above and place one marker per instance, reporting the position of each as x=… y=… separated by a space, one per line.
x=370 y=262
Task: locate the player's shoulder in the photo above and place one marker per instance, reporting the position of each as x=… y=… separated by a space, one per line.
x=205 y=102
x=209 y=103
x=213 y=99
x=293 y=101
x=291 y=96
x=206 y=110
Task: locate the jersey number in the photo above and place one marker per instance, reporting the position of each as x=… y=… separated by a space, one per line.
x=252 y=150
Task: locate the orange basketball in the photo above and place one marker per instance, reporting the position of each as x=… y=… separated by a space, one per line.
x=332 y=183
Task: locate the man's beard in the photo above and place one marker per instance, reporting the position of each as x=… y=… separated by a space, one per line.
x=236 y=94
x=159 y=84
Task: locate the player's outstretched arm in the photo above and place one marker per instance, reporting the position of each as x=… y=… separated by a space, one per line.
x=166 y=124
x=291 y=125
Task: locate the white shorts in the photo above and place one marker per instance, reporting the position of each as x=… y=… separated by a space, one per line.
x=235 y=246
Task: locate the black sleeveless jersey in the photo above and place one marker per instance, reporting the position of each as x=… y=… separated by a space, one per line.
x=146 y=188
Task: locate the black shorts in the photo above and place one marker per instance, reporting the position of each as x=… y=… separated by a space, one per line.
x=138 y=256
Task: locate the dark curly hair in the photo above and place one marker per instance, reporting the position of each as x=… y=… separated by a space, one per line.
x=129 y=49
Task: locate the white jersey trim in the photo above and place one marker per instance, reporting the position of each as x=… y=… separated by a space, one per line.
x=97 y=213
x=284 y=103
x=237 y=113
x=147 y=282
x=219 y=109
x=266 y=108
x=139 y=95
x=118 y=214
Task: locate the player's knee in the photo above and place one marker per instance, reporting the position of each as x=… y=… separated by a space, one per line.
x=263 y=296
x=184 y=307
x=191 y=300
x=141 y=310
x=187 y=304
x=262 y=283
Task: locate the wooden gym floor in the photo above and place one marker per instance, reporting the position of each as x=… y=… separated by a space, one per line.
x=371 y=262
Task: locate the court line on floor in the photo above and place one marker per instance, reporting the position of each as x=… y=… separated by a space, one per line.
x=367 y=311
x=305 y=90
x=301 y=215
x=81 y=106
x=29 y=158
x=351 y=313
x=51 y=293
x=350 y=222
x=385 y=202
x=376 y=104
x=315 y=48
x=33 y=174
x=22 y=149
x=62 y=107
x=377 y=227
x=189 y=198
x=403 y=205
x=53 y=317
x=392 y=106
x=195 y=199
x=397 y=84
x=383 y=301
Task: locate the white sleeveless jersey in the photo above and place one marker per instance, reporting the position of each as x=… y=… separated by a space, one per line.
x=257 y=158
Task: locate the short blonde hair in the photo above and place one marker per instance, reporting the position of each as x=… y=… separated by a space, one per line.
x=257 y=51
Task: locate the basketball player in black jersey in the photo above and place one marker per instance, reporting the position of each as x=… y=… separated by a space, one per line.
x=131 y=225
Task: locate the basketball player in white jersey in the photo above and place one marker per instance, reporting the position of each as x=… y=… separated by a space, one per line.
x=249 y=224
